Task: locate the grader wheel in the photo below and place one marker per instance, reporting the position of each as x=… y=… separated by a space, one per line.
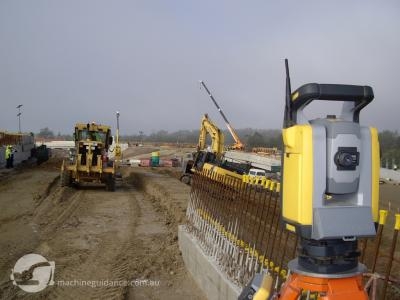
x=66 y=179
x=110 y=183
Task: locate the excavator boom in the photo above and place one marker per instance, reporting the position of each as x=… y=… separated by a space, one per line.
x=217 y=137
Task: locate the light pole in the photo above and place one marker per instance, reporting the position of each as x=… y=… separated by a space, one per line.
x=19 y=117
x=117 y=127
x=118 y=154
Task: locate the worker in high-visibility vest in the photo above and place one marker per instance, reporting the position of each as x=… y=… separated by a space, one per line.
x=9 y=157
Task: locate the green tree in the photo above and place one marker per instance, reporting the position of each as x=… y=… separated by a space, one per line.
x=390 y=148
x=256 y=140
x=45 y=133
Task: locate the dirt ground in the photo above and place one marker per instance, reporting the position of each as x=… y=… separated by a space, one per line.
x=96 y=237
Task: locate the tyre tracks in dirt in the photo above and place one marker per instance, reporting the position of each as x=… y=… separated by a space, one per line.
x=106 y=245
x=87 y=233
x=21 y=192
x=159 y=259
x=100 y=234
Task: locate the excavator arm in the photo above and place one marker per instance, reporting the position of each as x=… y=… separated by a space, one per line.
x=217 y=137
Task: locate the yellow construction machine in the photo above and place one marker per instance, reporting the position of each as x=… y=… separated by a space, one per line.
x=329 y=195
x=89 y=161
x=238 y=145
x=204 y=154
x=235 y=158
x=217 y=137
x=209 y=158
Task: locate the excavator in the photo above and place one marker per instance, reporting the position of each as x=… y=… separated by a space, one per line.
x=214 y=159
x=236 y=159
x=211 y=158
x=217 y=137
x=204 y=154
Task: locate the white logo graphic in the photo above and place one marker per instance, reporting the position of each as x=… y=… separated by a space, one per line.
x=33 y=273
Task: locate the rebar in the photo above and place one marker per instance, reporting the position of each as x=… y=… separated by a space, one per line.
x=238 y=225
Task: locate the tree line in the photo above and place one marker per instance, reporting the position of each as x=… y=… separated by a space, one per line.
x=250 y=137
x=390 y=148
x=389 y=140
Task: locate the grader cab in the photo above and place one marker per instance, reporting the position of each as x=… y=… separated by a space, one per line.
x=89 y=161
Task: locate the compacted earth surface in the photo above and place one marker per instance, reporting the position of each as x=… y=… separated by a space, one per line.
x=105 y=245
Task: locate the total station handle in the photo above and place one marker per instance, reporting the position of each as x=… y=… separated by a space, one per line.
x=361 y=96
x=333 y=92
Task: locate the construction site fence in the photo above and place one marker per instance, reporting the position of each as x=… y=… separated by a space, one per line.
x=7 y=138
x=238 y=223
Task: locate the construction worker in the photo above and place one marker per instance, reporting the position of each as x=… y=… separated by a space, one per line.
x=9 y=157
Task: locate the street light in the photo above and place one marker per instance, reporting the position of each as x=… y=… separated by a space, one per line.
x=117 y=127
x=117 y=120
x=19 y=117
x=117 y=146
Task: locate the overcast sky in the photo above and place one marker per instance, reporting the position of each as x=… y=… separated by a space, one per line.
x=71 y=61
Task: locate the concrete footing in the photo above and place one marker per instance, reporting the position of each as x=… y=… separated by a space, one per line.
x=205 y=272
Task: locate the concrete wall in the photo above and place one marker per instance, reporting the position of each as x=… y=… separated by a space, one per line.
x=57 y=144
x=214 y=284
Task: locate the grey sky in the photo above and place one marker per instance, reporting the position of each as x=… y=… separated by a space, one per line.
x=69 y=61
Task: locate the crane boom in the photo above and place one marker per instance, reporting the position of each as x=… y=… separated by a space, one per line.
x=238 y=145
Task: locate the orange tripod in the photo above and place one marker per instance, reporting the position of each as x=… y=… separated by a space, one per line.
x=326 y=288
x=347 y=285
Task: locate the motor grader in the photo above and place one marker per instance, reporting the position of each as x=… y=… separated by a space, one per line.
x=88 y=161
